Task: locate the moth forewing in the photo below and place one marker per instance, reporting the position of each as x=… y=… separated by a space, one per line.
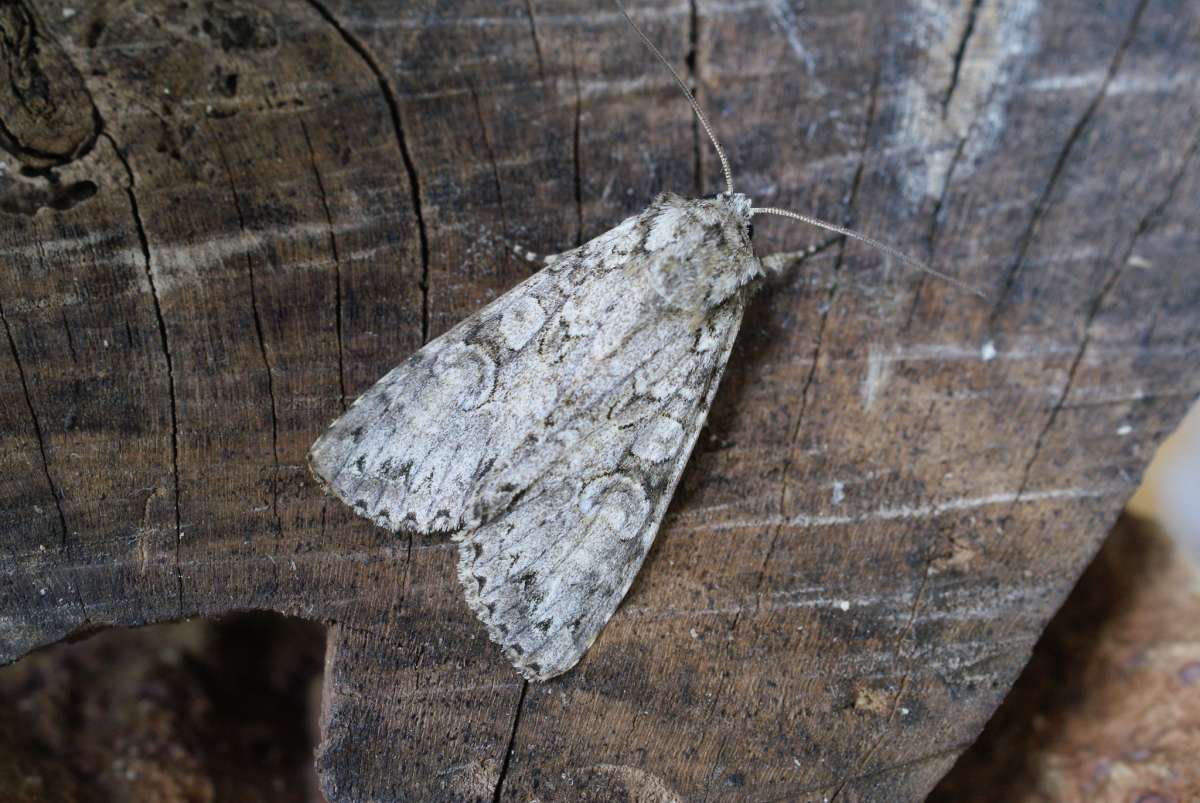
x=546 y=573
x=396 y=456
x=548 y=431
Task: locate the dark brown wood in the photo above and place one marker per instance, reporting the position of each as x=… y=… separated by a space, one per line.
x=1107 y=707
x=225 y=709
x=203 y=710
x=274 y=203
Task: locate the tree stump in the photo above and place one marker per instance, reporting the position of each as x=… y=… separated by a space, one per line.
x=224 y=220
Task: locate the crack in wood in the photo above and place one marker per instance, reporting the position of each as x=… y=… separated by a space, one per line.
x=1043 y=202
x=537 y=44
x=936 y=215
x=164 y=342
x=512 y=740
x=1094 y=308
x=337 y=263
x=262 y=350
x=41 y=443
x=491 y=155
x=393 y=106
x=70 y=338
x=37 y=427
x=960 y=52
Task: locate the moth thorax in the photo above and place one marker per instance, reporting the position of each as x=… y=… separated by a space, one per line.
x=699 y=249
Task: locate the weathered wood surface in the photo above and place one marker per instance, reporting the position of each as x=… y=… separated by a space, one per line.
x=1107 y=707
x=1104 y=710
x=222 y=220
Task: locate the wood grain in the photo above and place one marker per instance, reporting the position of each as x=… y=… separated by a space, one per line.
x=274 y=203
x=1106 y=708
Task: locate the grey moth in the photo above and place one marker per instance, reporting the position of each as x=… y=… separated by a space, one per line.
x=546 y=433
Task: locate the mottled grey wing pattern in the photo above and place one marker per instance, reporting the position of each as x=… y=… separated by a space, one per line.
x=547 y=432
x=546 y=572
x=412 y=452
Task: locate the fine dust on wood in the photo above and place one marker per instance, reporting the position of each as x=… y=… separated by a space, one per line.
x=914 y=546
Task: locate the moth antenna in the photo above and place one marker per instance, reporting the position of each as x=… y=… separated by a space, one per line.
x=876 y=244
x=530 y=256
x=688 y=94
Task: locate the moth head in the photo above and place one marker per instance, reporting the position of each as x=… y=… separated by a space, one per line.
x=698 y=249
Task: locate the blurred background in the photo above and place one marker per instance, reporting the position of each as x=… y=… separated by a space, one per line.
x=1170 y=490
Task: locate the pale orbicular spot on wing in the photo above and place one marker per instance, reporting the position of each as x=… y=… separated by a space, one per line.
x=659 y=440
x=521 y=321
x=617 y=503
x=463 y=374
